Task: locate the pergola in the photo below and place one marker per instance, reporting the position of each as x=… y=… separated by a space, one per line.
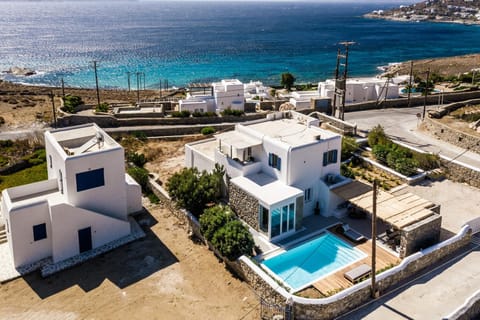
x=397 y=210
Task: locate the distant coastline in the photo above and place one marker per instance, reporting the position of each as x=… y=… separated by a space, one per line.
x=418 y=19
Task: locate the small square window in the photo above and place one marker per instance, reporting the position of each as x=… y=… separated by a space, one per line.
x=39 y=232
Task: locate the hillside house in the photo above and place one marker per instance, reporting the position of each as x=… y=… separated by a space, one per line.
x=279 y=170
x=83 y=205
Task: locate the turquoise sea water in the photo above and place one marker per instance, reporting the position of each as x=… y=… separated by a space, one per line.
x=307 y=263
x=203 y=41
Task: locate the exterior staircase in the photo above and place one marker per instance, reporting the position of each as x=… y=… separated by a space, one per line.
x=3 y=234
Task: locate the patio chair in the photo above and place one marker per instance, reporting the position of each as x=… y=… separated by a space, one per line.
x=352 y=234
x=358 y=273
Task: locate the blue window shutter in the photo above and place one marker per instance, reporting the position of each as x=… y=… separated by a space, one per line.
x=334 y=160
x=325 y=158
x=279 y=163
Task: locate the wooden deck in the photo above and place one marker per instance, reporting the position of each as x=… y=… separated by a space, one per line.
x=336 y=281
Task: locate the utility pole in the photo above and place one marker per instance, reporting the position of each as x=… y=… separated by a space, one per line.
x=341 y=81
x=426 y=95
x=334 y=104
x=128 y=80
x=143 y=73
x=96 y=81
x=52 y=97
x=410 y=83
x=160 y=88
x=63 y=89
x=374 y=238
x=138 y=87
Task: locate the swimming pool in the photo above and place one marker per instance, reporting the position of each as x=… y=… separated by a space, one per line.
x=305 y=264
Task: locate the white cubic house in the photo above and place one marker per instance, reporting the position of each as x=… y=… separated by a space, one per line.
x=362 y=89
x=227 y=94
x=83 y=205
x=279 y=170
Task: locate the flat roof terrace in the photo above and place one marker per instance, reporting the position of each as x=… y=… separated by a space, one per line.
x=82 y=139
x=292 y=132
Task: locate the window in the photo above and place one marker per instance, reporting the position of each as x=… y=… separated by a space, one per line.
x=308 y=195
x=274 y=161
x=90 y=179
x=50 y=160
x=329 y=157
x=264 y=216
x=39 y=232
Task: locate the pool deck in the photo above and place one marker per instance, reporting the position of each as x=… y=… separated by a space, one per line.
x=312 y=226
x=337 y=281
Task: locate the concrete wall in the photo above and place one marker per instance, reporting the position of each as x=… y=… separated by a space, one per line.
x=469 y=310
x=451 y=135
x=245 y=205
x=67 y=220
x=134 y=195
x=420 y=235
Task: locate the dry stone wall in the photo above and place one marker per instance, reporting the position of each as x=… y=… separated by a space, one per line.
x=244 y=204
x=420 y=235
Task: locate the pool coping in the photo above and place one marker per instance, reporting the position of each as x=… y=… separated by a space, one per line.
x=295 y=243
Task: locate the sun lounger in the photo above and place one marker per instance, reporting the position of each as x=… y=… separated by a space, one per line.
x=358 y=273
x=352 y=234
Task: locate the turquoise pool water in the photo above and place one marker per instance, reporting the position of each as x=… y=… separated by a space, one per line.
x=305 y=264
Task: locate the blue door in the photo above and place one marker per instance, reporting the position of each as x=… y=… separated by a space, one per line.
x=85 y=239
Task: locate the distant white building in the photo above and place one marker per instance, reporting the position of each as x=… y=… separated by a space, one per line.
x=302 y=100
x=362 y=89
x=255 y=90
x=227 y=94
x=279 y=170
x=83 y=205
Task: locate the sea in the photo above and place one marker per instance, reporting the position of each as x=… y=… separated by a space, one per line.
x=185 y=42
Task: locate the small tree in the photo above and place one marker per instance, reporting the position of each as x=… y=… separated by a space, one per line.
x=233 y=240
x=213 y=219
x=192 y=189
x=287 y=80
x=349 y=146
x=377 y=136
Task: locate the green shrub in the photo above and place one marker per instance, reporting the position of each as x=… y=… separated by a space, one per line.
x=349 y=146
x=377 y=136
x=213 y=219
x=153 y=198
x=137 y=159
x=427 y=161
x=102 y=107
x=204 y=114
x=207 y=130
x=140 y=175
x=406 y=166
x=233 y=240
x=380 y=152
x=230 y=112
x=192 y=189
x=140 y=135
x=181 y=114
x=71 y=102
x=346 y=171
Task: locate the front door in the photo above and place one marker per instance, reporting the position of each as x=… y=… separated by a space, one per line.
x=85 y=239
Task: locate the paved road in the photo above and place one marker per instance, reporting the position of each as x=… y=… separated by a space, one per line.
x=432 y=296
x=402 y=125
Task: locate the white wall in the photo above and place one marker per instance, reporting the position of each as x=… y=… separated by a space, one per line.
x=67 y=220
x=21 y=221
x=229 y=94
x=134 y=195
x=193 y=105
x=110 y=199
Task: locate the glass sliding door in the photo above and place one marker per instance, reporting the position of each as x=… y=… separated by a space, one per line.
x=284 y=219
x=291 y=217
x=264 y=217
x=276 y=223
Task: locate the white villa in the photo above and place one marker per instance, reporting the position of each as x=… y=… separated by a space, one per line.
x=83 y=205
x=362 y=89
x=227 y=94
x=279 y=170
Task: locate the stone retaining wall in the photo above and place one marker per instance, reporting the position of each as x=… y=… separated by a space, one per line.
x=461 y=173
x=244 y=205
x=452 y=136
